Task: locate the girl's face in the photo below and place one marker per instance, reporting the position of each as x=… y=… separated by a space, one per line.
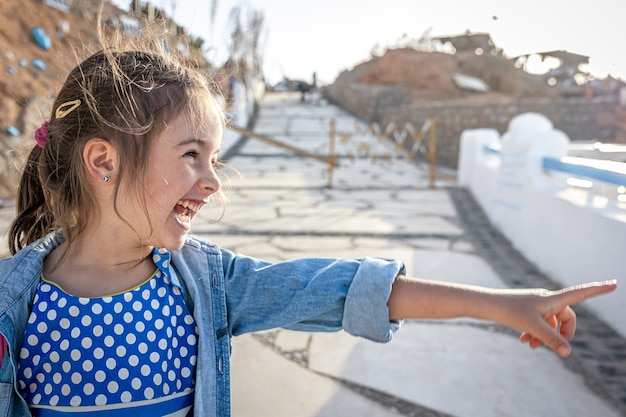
x=180 y=178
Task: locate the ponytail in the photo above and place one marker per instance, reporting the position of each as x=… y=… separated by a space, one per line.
x=34 y=219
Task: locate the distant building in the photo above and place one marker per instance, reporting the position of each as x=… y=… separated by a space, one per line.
x=474 y=42
x=566 y=75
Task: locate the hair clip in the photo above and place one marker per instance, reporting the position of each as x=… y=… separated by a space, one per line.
x=66 y=108
x=41 y=134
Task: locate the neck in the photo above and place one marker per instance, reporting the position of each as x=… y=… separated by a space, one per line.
x=88 y=269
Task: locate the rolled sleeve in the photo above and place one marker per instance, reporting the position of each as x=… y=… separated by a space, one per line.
x=366 y=313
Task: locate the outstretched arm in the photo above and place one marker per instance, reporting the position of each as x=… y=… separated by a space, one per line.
x=543 y=317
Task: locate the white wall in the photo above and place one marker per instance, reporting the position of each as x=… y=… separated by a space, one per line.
x=244 y=99
x=568 y=241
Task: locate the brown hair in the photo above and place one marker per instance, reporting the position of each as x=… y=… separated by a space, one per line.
x=127 y=93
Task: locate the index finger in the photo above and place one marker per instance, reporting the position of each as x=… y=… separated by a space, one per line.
x=579 y=293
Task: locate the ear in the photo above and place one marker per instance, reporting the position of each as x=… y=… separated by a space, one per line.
x=100 y=158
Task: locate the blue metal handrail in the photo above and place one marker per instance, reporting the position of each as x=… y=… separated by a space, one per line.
x=611 y=172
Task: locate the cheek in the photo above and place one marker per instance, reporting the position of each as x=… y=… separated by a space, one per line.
x=166 y=189
x=167 y=173
x=160 y=183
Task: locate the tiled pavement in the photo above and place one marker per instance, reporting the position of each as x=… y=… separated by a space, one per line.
x=281 y=208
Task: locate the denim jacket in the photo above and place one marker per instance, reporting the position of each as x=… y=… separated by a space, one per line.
x=228 y=295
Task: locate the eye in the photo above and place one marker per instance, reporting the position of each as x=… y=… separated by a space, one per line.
x=191 y=154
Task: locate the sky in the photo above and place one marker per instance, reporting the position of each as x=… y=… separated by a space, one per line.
x=329 y=36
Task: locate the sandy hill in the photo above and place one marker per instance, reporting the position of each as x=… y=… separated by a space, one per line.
x=70 y=34
x=428 y=76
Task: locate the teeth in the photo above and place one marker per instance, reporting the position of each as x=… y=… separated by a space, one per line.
x=189 y=205
x=192 y=208
x=182 y=217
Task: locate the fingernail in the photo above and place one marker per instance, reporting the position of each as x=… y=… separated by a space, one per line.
x=564 y=350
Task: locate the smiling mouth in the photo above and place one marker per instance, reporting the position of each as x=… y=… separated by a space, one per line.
x=185 y=210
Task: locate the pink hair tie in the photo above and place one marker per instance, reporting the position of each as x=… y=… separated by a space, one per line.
x=41 y=134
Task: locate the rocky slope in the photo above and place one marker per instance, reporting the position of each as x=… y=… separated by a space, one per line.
x=32 y=74
x=429 y=76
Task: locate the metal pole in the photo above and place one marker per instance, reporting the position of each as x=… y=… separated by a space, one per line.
x=331 y=152
x=432 y=158
x=271 y=141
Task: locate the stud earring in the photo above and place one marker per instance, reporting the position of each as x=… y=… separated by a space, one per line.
x=106 y=178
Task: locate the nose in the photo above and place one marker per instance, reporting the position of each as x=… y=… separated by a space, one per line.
x=210 y=181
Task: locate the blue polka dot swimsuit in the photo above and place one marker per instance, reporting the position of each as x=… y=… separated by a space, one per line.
x=133 y=352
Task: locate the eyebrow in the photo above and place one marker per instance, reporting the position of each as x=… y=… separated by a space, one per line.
x=189 y=141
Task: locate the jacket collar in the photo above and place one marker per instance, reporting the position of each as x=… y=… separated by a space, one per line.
x=19 y=274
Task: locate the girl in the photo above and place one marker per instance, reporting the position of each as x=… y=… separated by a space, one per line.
x=109 y=305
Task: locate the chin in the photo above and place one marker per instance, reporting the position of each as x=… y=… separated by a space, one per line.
x=173 y=244
x=177 y=245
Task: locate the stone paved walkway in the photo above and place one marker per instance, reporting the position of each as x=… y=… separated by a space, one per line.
x=281 y=208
